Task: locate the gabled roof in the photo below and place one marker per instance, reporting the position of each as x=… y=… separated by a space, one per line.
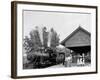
x=72 y=34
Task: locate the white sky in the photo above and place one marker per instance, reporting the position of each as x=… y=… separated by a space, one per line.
x=63 y=23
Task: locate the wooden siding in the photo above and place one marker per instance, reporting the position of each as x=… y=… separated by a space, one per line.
x=80 y=38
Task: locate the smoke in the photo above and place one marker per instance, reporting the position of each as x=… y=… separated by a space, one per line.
x=40 y=30
x=50 y=33
x=49 y=38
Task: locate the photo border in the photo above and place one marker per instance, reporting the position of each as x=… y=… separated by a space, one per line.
x=14 y=37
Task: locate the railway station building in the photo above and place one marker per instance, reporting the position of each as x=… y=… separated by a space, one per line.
x=79 y=44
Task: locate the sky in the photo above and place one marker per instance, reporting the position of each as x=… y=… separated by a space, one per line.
x=64 y=23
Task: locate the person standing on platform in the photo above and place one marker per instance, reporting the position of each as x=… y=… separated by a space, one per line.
x=68 y=61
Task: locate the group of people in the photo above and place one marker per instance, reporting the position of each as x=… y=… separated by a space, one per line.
x=68 y=60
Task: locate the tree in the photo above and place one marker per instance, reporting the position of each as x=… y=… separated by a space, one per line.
x=32 y=43
x=28 y=44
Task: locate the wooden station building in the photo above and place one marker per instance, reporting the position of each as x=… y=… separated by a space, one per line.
x=79 y=42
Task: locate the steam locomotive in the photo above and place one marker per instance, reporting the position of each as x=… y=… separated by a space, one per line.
x=46 y=57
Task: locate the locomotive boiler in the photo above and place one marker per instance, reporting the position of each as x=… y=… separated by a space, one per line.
x=45 y=57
